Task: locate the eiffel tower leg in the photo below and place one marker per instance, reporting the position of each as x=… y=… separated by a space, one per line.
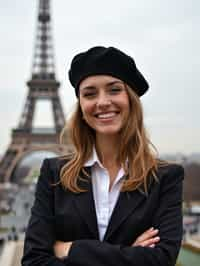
x=59 y=119
x=26 y=120
x=9 y=162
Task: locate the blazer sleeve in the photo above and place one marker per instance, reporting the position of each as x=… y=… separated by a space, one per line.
x=168 y=219
x=40 y=236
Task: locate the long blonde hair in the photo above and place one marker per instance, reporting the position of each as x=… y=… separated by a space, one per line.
x=135 y=146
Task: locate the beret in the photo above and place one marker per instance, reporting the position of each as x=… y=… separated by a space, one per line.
x=111 y=61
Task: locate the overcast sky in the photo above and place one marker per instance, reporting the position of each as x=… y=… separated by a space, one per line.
x=162 y=36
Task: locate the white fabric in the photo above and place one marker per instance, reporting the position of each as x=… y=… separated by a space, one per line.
x=105 y=200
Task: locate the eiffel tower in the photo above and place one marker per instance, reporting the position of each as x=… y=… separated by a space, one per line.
x=42 y=86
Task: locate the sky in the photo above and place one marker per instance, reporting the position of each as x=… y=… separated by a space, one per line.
x=163 y=37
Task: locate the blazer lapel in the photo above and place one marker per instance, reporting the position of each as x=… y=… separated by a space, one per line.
x=84 y=202
x=126 y=204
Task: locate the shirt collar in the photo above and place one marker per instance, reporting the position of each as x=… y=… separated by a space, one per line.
x=93 y=159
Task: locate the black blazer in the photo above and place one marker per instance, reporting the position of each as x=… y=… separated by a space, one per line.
x=58 y=214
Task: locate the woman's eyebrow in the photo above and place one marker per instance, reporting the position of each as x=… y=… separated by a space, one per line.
x=88 y=88
x=113 y=82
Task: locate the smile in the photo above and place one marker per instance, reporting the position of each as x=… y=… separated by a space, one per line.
x=106 y=115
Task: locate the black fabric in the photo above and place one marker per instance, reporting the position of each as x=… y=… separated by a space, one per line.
x=100 y=60
x=59 y=214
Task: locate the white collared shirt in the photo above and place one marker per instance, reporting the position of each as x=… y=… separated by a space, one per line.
x=104 y=199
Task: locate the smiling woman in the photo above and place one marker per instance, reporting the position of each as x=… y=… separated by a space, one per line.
x=112 y=202
x=104 y=103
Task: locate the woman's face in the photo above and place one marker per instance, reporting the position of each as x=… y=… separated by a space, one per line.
x=104 y=103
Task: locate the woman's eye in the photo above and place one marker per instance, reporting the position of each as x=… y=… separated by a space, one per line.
x=89 y=94
x=115 y=90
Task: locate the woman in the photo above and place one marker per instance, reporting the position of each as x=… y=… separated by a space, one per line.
x=112 y=202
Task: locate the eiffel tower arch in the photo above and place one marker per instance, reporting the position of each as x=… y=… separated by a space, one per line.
x=43 y=85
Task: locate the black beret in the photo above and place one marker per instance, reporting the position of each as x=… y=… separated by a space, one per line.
x=100 y=60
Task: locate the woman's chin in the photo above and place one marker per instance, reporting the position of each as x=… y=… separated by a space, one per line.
x=108 y=132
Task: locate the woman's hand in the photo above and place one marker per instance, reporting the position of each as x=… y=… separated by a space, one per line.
x=148 y=239
x=61 y=249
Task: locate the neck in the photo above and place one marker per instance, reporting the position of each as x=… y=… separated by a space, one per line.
x=107 y=150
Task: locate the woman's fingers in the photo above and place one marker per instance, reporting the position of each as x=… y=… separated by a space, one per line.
x=148 y=234
x=148 y=238
x=149 y=242
x=61 y=249
x=58 y=248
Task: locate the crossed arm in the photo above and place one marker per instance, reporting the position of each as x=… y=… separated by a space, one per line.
x=148 y=239
x=41 y=247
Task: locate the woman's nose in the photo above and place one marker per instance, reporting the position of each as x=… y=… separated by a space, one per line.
x=103 y=101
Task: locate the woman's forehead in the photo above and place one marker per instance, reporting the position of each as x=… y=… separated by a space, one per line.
x=98 y=80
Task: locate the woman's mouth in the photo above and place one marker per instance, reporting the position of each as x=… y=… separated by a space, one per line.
x=106 y=115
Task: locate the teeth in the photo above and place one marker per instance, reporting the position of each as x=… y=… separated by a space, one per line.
x=107 y=115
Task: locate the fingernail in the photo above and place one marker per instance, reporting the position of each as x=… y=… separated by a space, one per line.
x=157 y=238
x=152 y=228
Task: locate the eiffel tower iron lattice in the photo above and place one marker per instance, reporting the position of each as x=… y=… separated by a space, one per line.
x=42 y=86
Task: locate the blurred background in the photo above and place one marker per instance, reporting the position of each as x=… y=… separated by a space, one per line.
x=39 y=39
